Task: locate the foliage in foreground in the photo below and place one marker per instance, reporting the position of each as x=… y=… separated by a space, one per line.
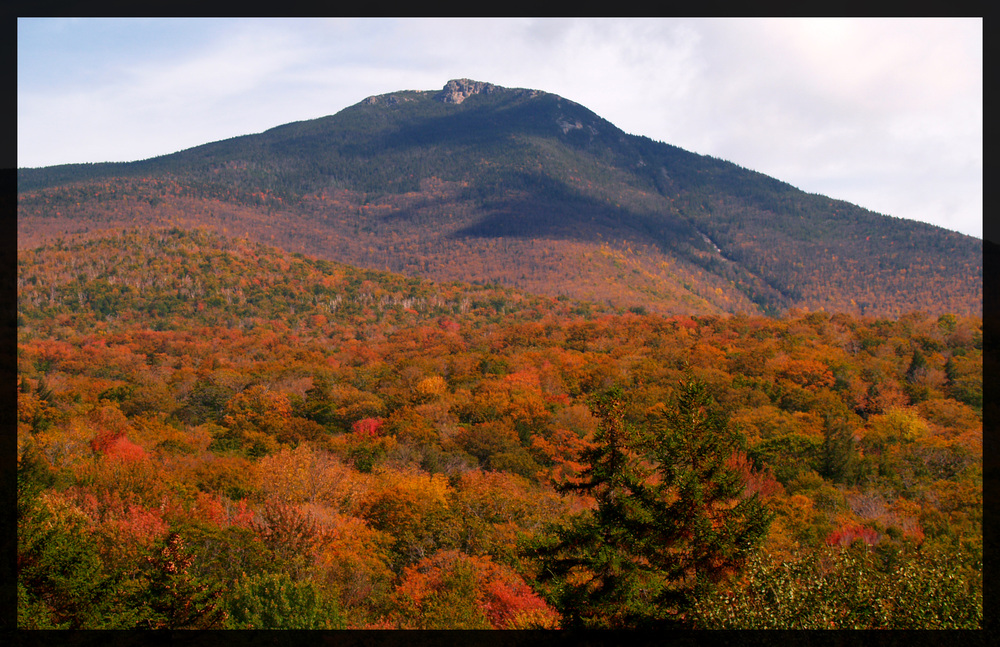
x=856 y=588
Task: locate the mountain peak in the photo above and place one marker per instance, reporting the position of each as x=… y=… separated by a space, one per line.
x=455 y=91
x=458 y=90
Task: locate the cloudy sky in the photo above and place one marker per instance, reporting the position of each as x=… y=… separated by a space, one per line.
x=887 y=114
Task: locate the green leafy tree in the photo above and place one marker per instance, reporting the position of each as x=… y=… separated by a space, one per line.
x=852 y=588
x=318 y=405
x=672 y=518
x=275 y=601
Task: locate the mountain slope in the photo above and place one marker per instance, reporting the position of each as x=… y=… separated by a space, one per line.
x=524 y=188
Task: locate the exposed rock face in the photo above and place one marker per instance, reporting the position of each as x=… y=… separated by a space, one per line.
x=385 y=99
x=455 y=91
x=565 y=125
x=458 y=90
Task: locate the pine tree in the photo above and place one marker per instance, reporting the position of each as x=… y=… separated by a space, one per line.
x=672 y=518
x=175 y=598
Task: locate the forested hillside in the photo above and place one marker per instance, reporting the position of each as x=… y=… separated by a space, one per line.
x=215 y=433
x=528 y=190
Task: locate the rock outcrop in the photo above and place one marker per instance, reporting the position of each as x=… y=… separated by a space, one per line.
x=458 y=90
x=385 y=100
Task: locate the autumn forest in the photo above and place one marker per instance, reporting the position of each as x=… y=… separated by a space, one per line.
x=213 y=433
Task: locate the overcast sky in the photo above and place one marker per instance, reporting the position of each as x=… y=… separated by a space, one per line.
x=887 y=114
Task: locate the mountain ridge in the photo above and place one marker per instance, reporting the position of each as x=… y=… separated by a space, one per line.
x=482 y=183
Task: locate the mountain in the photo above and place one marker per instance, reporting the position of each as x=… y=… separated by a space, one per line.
x=525 y=189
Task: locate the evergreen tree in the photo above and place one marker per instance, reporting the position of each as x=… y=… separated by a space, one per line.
x=672 y=518
x=176 y=599
x=839 y=459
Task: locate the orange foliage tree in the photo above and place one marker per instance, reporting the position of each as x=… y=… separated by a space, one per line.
x=452 y=590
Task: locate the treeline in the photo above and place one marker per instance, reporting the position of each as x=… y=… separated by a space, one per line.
x=212 y=433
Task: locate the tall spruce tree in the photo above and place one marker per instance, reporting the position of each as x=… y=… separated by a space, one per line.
x=672 y=517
